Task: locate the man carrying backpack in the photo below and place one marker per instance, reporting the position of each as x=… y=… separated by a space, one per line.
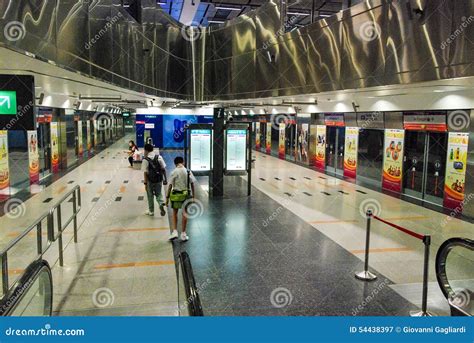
x=153 y=167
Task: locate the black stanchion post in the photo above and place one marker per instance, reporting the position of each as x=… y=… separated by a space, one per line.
x=249 y=163
x=366 y=275
x=426 y=263
x=218 y=153
x=186 y=131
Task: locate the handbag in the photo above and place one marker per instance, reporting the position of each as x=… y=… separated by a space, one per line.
x=178 y=196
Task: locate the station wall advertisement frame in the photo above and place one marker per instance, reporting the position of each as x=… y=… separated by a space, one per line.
x=281 y=140
x=257 y=136
x=236 y=150
x=456 y=162
x=268 y=139
x=320 y=147
x=54 y=147
x=80 y=143
x=33 y=156
x=4 y=166
x=88 y=137
x=393 y=160
x=200 y=146
x=351 y=152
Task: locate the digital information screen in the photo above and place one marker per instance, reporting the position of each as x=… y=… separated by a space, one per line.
x=236 y=154
x=200 y=150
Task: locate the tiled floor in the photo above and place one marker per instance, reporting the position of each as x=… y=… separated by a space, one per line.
x=122 y=263
x=290 y=249
x=339 y=216
x=255 y=257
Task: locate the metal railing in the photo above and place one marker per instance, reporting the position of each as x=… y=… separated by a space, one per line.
x=52 y=237
x=193 y=300
x=441 y=275
x=32 y=294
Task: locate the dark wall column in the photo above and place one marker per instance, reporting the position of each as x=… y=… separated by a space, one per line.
x=217 y=179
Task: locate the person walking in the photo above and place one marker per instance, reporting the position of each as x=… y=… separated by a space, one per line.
x=154 y=176
x=180 y=189
x=132 y=150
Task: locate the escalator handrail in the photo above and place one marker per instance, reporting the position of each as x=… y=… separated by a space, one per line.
x=441 y=257
x=16 y=294
x=192 y=292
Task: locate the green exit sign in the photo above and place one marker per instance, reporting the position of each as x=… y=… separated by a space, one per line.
x=7 y=102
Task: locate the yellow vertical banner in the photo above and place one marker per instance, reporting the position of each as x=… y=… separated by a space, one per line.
x=54 y=147
x=320 y=147
x=4 y=166
x=257 y=136
x=33 y=156
x=96 y=138
x=268 y=140
x=393 y=160
x=350 y=152
x=281 y=141
x=88 y=137
x=80 y=143
x=456 y=161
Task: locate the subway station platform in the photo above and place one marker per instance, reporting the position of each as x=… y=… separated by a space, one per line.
x=291 y=248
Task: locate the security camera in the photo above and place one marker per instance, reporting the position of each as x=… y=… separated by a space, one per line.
x=231 y=118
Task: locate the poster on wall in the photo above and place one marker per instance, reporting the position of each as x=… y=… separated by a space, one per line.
x=174 y=129
x=54 y=147
x=320 y=147
x=312 y=145
x=96 y=137
x=268 y=139
x=350 y=152
x=281 y=141
x=80 y=144
x=302 y=143
x=455 y=170
x=257 y=136
x=393 y=160
x=33 y=156
x=200 y=147
x=88 y=136
x=236 y=150
x=4 y=167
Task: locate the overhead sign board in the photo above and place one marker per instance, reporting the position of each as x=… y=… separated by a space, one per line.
x=17 y=102
x=200 y=149
x=7 y=102
x=236 y=150
x=334 y=119
x=425 y=121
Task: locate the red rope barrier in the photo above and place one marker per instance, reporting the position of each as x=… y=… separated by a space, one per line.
x=411 y=233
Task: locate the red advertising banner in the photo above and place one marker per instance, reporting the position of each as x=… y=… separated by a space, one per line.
x=425 y=121
x=393 y=160
x=455 y=171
